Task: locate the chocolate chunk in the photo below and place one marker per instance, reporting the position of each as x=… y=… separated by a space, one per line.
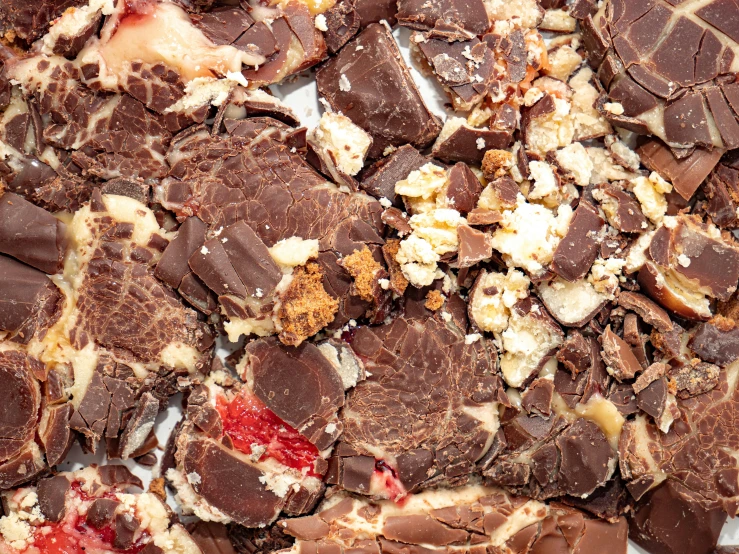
x=379 y=179
x=716 y=341
x=468 y=144
x=101 y=512
x=474 y=246
x=342 y=22
x=126 y=526
x=211 y=537
x=685 y=174
x=576 y=353
x=464 y=188
x=419 y=14
x=20 y=399
x=140 y=425
x=620 y=360
x=622 y=209
x=115 y=475
x=52 y=493
x=30 y=22
x=652 y=399
x=652 y=525
x=55 y=433
x=722 y=194
x=677 y=77
x=393 y=114
x=224 y=25
x=31 y=234
x=172 y=266
x=29 y=301
x=649 y=311
x=537 y=398
x=578 y=249
x=374 y=11
x=586 y=458
x=299 y=385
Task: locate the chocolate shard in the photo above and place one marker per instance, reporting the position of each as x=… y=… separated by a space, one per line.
x=299 y=385
x=21 y=398
x=30 y=22
x=393 y=114
x=55 y=433
x=695 y=378
x=716 y=341
x=652 y=525
x=578 y=249
x=29 y=301
x=102 y=512
x=379 y=179
x=52 y=493
x=650 y=312
x=342 y=23
x=621 y=208
x=474 y=246
x=459 y=142
x=468 y=15
x=587 y=460
x=31 y=234
x=140 y=425
x=618 y=356
x=722 y=196
x=685 y=174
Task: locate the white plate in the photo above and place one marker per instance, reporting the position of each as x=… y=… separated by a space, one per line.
x=301 y=95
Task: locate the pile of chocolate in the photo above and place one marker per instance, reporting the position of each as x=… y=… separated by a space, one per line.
x=513 y=329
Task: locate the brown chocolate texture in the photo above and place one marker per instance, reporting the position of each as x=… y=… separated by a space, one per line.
x=432 y=437
x=381 y=96
x=473 y=517
x=678 y=85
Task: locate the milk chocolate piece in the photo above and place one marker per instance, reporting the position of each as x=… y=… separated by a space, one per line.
x=578 y=249
x=52 y=493
x=374 y=11
x=468 y=144
x=211 y=537
x=393 y=114
x=470 y=15
x=21 y=398
x=55 y=433
x=586 y=458
x=342 y=22
x=172 y=266
x=474 y=246
x=102 y=512
x=716 y=341
x=224 y=25
x=379 y=179
x=576 y=353
x=622 y=209
x=653 y=524
x=722 y=196
x=685 y=174
x=31 y=234
x=310 y=389
x=694 y=378
x=620 y=360
x=650 y=312
x=538 y=397
x=29 y=301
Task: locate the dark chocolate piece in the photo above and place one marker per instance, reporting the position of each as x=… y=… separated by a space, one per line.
x=578 y=249
x=470 y=15
x=52 y=493
x=716 y=341
x=619 y=358
x=394 y=113
x=379 y=179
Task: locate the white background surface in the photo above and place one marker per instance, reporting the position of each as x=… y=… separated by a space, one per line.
x=301 y=95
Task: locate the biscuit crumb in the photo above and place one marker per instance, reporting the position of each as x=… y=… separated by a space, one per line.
x=398 y=282
x=496 y=163
x=156 y=487
x=363 y=268
x=306 y=307
x=434 y=300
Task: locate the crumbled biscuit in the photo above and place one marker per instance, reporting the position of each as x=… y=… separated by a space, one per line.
x=434 y=300
x=494 y=295
x=587 y=121
x=559 y=21
x=563 y=62
x=523 y=13
x=545 y=182
x=294 y=251
x=345 y=143
x=305 y=307
x=438 y=228
x=156 y=487
x=574 y=159
x=650 y=192
x=496 y=163
x=364 y=269
x=417 y=260
x=397 y=282
x=553 y=130
x=604 y=168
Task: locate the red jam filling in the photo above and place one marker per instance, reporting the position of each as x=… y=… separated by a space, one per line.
x=387 y=477
x=247 y=421
x=81 y=539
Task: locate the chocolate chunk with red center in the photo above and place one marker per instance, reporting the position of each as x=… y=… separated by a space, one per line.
x=578 y=249
x=652 y=525
x=373 y=87
x=468 y=15
x=299 y=385
x=676 y=85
